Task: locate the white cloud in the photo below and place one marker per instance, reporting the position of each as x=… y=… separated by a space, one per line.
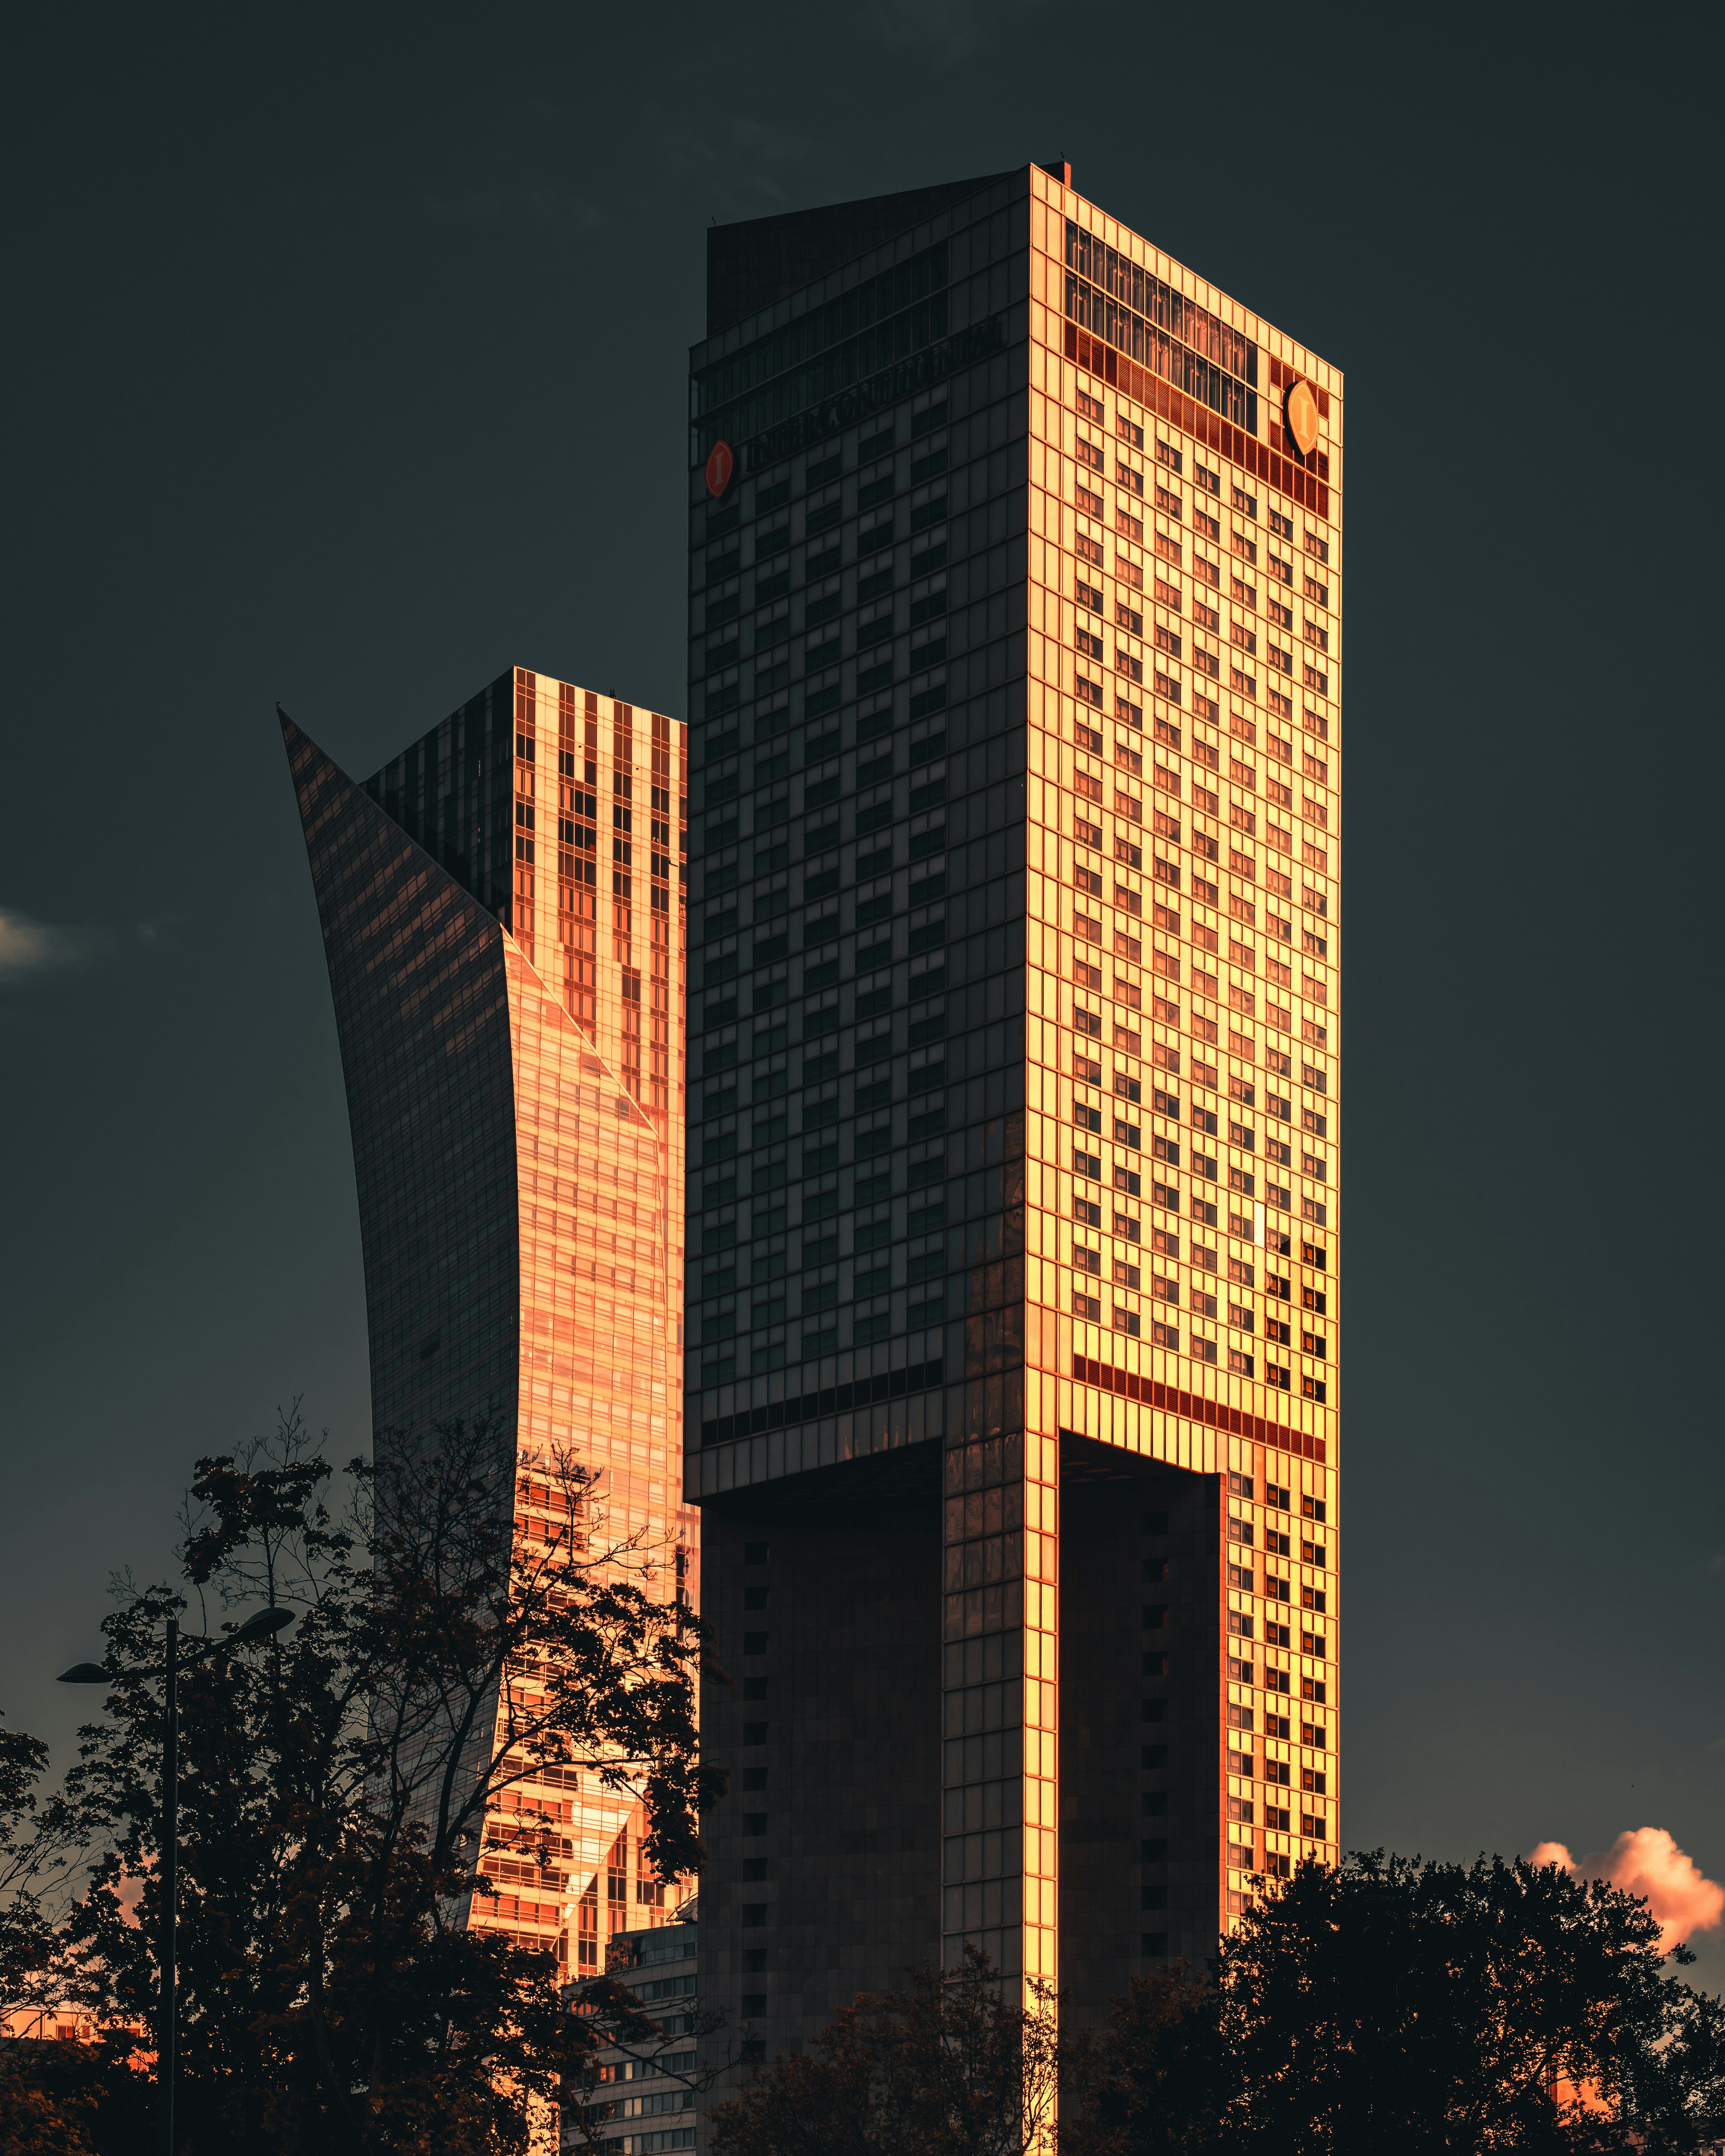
x=1645 y=1861
x=32 y=946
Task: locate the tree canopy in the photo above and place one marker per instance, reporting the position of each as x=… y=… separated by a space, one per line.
x=949 y=2066
x=339 y=1791
x=1387 y=2003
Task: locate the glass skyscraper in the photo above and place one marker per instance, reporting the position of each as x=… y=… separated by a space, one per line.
x=502 y=913
x=1014 y=626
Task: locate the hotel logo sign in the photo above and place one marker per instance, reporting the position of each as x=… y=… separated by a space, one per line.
x=1299 y=408
x=720 y=465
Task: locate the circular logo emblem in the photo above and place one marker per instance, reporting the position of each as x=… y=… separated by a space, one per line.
x=723 y=462
x=1299 y=410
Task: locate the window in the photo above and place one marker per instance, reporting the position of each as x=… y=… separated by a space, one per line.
x=1125 y=617
x=1082 y=1209
x=1087 y=595
x=1092 y=408
x=1087 y=1306
x=1087 y=453
x=1086 y=1261
x=1087 y=1021
x=1312 y=1508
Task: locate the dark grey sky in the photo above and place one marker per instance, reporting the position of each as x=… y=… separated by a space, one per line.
x=346 y=353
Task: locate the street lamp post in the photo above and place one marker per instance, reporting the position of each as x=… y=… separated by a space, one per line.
x=262 y=1624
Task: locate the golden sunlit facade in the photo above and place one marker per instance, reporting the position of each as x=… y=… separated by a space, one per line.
x=503 y=914
x=1183 y=1096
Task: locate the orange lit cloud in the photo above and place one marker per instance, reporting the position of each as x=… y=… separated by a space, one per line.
x=1648 y=1863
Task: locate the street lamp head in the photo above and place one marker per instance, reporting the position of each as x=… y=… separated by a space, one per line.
x=262 y=1624
x=83 y=1673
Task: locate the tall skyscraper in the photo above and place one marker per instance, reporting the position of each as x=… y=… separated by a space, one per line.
x=1015 y=556
x=502 y=913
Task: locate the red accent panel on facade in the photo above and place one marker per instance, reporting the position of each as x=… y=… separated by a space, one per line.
x=1086 y=1371
x=1310 y=490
